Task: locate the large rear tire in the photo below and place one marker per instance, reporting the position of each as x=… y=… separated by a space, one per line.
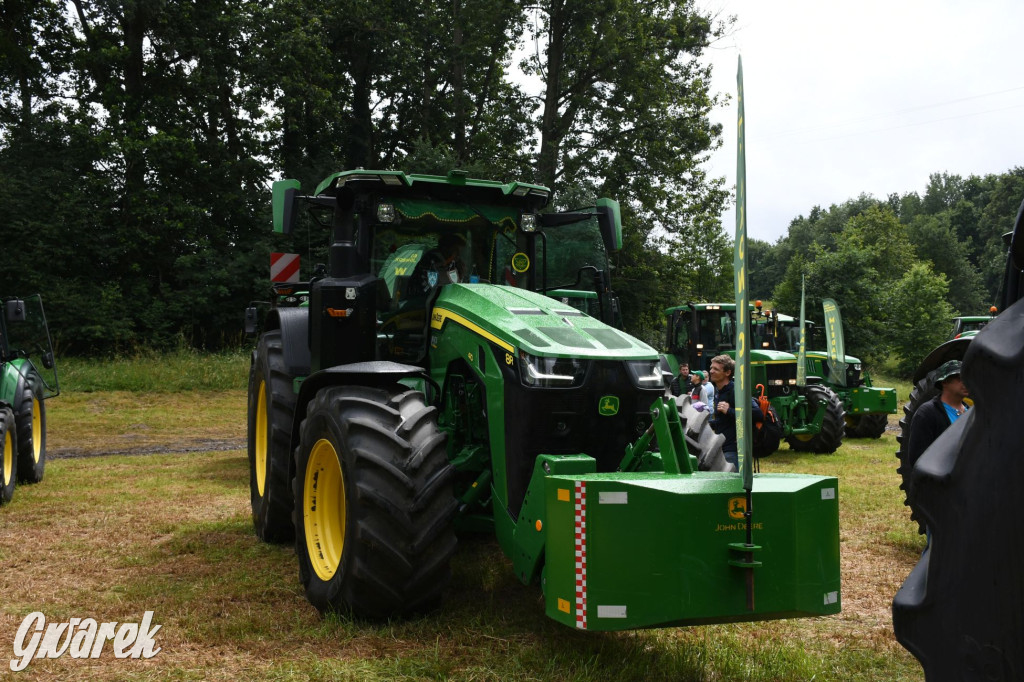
x=866 y=425
x=959 y=610
x=30 y=417
x=374 y=503
x=8 y=456
x=922 y=392
x=271 y=409
x=830 y=437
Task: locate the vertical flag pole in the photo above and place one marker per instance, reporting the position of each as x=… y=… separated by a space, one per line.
x=801 y=357
x=743 y=378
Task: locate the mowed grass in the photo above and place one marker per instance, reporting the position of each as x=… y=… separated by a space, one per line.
x=111 y=537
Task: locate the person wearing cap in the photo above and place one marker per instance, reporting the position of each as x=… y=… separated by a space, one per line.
x=939 y=413
x=707 y=389
x=696 y=384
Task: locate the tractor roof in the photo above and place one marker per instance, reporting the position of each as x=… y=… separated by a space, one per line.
x=455 y=186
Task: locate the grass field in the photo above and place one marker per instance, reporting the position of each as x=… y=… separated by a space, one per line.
x=113 y=536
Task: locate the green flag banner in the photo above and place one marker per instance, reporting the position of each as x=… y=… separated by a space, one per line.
x=834 y=341
x=744 y=431
x=801 y=358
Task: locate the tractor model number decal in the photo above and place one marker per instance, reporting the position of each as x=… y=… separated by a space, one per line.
x=581 y=554
x=509 y=358
x=608 y=406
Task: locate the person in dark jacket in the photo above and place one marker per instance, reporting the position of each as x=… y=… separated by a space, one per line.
x=939 y=413
x=723 y=414
x=681 y=384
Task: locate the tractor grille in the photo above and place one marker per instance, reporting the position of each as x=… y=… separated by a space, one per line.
x=567 y=421
x=779 y=377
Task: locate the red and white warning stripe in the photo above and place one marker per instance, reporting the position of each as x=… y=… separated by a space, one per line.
x=581 y=554
x=284 y=267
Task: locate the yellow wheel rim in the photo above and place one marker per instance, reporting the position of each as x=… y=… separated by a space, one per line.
x=261 y=438
x=323 y=509
x=8 y=458
x=37 y=431
x=804 y=437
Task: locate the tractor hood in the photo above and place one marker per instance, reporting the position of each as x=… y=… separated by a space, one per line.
x=534 y=323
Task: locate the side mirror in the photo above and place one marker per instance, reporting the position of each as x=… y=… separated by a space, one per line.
x=15 y=310
x=48 y=360
x=284 y=205
x=609 y=220
x=251 y=324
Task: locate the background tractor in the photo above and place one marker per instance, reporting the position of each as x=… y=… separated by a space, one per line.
x=866 y=407
x=811 y=416
x=28 y=376
x=959 y=610
x=429 y=385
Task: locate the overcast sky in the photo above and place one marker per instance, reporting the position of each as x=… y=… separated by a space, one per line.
x=870 y=96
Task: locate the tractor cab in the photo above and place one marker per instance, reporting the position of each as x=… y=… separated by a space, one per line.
x=970 y=325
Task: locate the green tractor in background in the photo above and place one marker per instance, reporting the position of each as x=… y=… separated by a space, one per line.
x=430 y=385
x=812 y=416
x=970 y=325
x=28 y=377
x=866 y=407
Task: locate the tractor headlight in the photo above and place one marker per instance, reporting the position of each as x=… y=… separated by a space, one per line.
x=551 y=372
x=528 y=222
x=645 y=373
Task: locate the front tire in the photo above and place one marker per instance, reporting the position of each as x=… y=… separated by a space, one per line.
x=830 y=437
x=30 y=418
x=271 y=409
x=8 y=456
x=374 y=503
x=866 y=425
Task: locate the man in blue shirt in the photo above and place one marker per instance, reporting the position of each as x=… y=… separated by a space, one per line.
x=936 y=415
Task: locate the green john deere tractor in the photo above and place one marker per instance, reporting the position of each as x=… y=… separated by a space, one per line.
x=28 y=376
x=812 y=416
x=866 y=407
x=429 y=386
x=970 y=325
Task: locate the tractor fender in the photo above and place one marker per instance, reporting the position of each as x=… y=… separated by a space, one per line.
x=950 y=350
x=294 y=326
x=372 y=373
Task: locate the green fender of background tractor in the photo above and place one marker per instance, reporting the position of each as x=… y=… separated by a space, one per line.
x=858 y=400
x=868 y=400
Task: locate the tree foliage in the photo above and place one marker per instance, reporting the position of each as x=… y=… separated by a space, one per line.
x=899 y=268
x=138 y=139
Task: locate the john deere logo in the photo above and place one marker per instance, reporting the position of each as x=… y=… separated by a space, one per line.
x=520 y=262
x=608 y=406
x=737 y=507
